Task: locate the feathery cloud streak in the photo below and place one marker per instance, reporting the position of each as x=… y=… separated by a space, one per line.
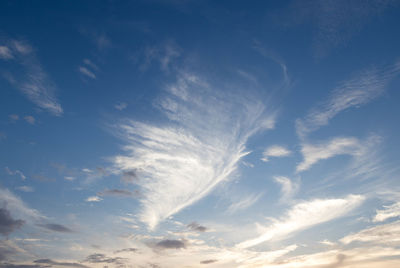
x=359 y=90
x=305 y=215
x=32 y=80
x=182 y=161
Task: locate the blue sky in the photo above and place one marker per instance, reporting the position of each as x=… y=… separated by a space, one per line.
x=199 y=134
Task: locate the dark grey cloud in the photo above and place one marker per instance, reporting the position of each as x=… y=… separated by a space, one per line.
x=171 y=244
x=56 y=263
x=197 y=227
x=126 y=250
x=117 y=193
x=56 y=227
x=101 y=258
x=10 y=265
x=129 y=177
x=7 y=223
x=208 y=261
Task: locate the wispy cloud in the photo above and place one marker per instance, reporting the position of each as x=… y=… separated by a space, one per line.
x=5 y=53
x=33 y=81
x=312 y=153
x=30 y=119
x=56 y=227
x=7 y=223
x=381 y=234
x=359 y=90
x=244 y=203
x=121 y=106
x=275 y=151
x=164 y=54
x=93 y=199
x=85 y=71
x=17 y=207
x=288 y=188
x=201 y=146
x=388 y=212
x=26 y=189
x=15 y=172
x=305 y=215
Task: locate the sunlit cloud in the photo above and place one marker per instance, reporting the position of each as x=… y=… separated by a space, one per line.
x=275 y=151
x=305 y=215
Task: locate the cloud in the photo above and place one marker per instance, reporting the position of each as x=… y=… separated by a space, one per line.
x=275 y=151
x=17 y=207
x=194 y=226
x=116 y=192
x=90 y=64
x=335 y=22
x=26 y=189
x=14 y=117
x=33 y=81
x=56 y=227
x=126 y=250
x=5 y=53
x=208 y=261
x=199 y=147
x=93 y=199
x=130 y=176
x=359 y=90
x=101 y=258
x=50 y=262
x=388 y=212
x=313 y=153
x=121 y=106
x=7 y=223
x=30 y=119
x=16 y=172
x=164 y=54
x=305 y=215
x=87 y=72
x=288 y=188
x=244 y=203
x=381 y=234
x=171 y=244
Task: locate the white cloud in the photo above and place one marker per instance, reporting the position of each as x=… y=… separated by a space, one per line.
x=385 y=233
x=305 y=215
x=5 y=53
x=30 y=119
x=359 y=90
x=244 y=203
x=14 y=117
x=26 y=189
x=336 y=146
x=17 y=207
x=87 y=72
x=69 y=178
x=93 y=199
x=288 y=188
x=16 y=172
x=201 y=146
x=275 y=151
x=388 y=212
x=121 y=106
x=32 y=80
x=91 y=64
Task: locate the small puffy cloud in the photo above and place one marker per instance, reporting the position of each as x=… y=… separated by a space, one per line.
x=171 y=244
x=69 y=178
x=14 y=117
x=56 y=227
x=208 y=261
x=93 y=199
x=5 y=53
x=197 y=227
x=121 y=106
x=30 y=119
x=275 y=151
x=7 y=223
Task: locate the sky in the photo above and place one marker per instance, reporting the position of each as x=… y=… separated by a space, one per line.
x=165 y=134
